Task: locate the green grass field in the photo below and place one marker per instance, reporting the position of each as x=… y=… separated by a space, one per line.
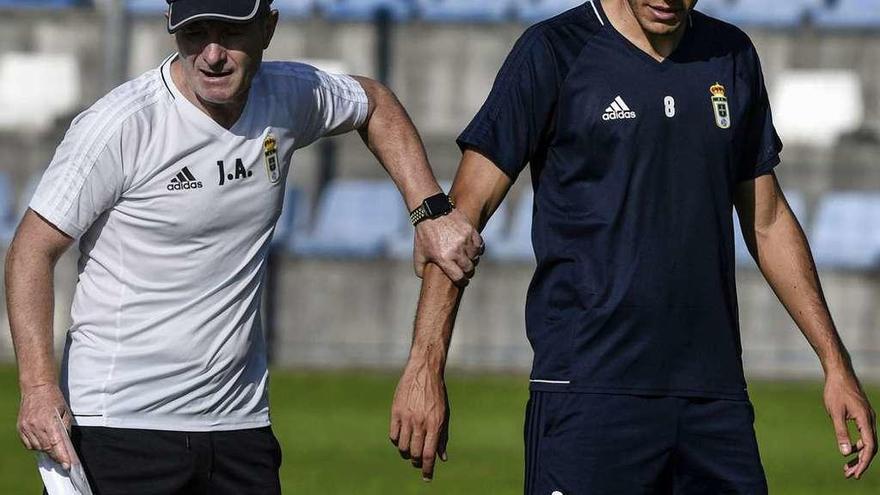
x=333 y=428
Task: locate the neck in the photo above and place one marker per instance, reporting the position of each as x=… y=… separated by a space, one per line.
x=226 y=114
x=658 y=46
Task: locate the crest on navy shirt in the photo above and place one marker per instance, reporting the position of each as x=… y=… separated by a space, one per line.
x=719 y=105
x=270 y=155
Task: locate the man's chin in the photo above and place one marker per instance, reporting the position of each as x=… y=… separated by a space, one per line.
x=661 y=28
x=217 y=98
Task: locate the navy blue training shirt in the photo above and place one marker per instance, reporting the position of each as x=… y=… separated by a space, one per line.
x=634 y=164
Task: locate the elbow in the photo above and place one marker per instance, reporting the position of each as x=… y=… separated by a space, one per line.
x=756 y=237
x=379 y=96
x=375 y=90
x=765 y=223
x=781 y=232
x=761 y=233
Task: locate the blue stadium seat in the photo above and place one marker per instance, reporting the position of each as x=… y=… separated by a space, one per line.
x=780 y=14
x=364 y=10
x=850 y=14
x=295 y=9
x=517 y=246
x=146 y=7
x=294 y=217
x=7 y=209
x=846 y=233
x=355 y=219
x=288 y=9
x=400 y=244
x=464 y=10
x=40 y=4
x=798 y=206
x=714 y=8
x=537 y=10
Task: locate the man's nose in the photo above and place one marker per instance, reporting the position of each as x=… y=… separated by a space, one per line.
x=214 y=55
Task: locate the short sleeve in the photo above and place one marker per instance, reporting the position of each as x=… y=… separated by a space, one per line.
x=517 y=115
x=339 y=105
x=760 y=152
x=84 y=179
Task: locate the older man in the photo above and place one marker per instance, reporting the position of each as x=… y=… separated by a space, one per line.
x=173 y=183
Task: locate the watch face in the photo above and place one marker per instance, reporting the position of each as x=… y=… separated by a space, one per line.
x=437 y=205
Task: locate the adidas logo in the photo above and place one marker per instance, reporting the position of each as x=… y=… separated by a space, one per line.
x=618 y=111
x=184 y=180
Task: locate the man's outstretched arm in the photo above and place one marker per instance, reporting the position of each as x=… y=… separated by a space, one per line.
x=420 y=411
x=449 y=241
x=778 y=245
x=30 y=299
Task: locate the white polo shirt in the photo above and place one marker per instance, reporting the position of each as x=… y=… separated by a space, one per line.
x=175 y=214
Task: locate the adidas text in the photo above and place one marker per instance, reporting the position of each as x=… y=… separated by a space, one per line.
x=618 y=115
x=177 y=186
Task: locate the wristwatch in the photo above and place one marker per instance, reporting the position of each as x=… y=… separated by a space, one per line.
x=436 y=206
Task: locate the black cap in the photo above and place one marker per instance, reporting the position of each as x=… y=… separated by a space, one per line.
x=182 y=12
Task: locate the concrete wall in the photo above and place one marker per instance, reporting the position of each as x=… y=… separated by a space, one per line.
x=359 y=314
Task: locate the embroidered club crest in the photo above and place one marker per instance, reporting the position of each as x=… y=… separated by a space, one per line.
x=719 y=105
x=270 y=155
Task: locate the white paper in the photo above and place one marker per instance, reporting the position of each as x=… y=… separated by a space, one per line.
x=56 y=479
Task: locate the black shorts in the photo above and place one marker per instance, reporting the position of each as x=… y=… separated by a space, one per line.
x=595 y=444
x=122 y=461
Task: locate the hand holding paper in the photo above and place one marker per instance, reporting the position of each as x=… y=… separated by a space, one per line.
x=57 y=479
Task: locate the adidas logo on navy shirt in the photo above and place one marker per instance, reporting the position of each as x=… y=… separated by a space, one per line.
x=618 y=110
x=184 y=180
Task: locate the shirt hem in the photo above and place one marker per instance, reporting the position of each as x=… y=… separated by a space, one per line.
x=51 y=215
x=195 y=426
x=764 y=168
x=363 y=102
x=479 y=142
x=650 y=391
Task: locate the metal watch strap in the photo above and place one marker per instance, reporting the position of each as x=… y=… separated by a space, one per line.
x=418 y=215
x=421 y=213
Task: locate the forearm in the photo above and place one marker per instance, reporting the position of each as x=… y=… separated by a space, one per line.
x=30 y=304
x=783 y=255
x=479 y=188
x=391 y=136
x=435 y=319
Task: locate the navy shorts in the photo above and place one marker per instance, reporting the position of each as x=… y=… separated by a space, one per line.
x=122 y=461
x=597 y=444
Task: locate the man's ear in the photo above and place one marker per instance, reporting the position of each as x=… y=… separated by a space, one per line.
x=269 y=28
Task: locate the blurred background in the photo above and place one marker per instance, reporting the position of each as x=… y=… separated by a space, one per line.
x=342 y=292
